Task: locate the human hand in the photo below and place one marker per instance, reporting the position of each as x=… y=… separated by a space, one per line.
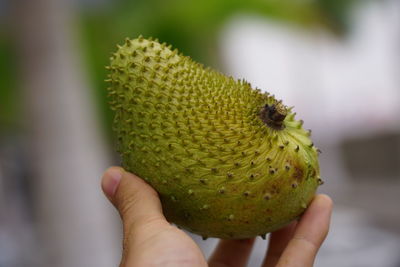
x=149 y=240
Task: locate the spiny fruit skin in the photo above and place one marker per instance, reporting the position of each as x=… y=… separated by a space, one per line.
x=228 y=161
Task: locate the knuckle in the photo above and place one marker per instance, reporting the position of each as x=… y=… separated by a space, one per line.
x=307 y=242
x=126 y=202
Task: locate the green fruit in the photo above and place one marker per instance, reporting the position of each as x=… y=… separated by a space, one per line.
x=227 y=160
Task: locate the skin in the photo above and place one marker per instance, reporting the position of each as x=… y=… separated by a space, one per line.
x=150 y=240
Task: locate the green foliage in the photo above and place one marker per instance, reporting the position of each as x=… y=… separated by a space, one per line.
x=8 y=93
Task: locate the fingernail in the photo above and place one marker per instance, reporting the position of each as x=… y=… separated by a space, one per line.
x=111 y=179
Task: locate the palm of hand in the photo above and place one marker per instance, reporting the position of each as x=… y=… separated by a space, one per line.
x=162 y=244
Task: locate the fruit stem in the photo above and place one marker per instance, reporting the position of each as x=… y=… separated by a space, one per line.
x=274 y=115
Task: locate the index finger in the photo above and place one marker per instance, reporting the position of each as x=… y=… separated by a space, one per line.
x=309 y=234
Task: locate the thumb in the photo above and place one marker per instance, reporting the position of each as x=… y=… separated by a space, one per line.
x=136 y=201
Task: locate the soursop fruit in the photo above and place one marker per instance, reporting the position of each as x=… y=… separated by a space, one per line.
x=227 y=160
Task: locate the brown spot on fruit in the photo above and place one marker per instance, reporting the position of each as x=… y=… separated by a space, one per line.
x=298 y=174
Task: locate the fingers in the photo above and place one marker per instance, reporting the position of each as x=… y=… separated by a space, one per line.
x=231 y=253
x=137 y=202
x=277 y=243
x=310 y=232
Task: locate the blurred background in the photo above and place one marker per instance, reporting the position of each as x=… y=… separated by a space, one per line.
x=336 y=61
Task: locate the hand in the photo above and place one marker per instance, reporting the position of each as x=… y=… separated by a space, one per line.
x=149 y=240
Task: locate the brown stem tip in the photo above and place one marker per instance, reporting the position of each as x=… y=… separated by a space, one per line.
x=274 y=115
